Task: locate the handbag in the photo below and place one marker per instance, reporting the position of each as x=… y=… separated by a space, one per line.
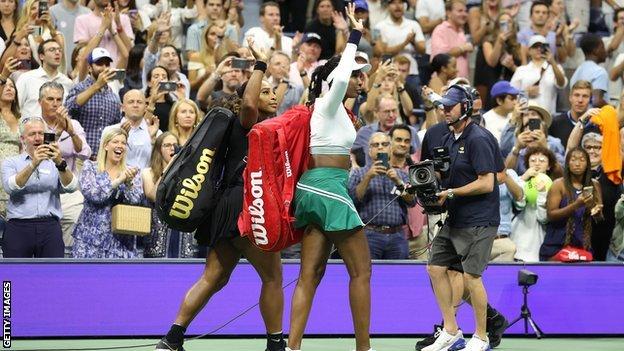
x=131 y=220
x=573 y=254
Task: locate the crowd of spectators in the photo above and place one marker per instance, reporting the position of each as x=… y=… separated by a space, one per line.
x=121 y=84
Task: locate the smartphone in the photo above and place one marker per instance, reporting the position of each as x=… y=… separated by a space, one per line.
x=535 y=124
x=588 y=190
x=43 y=7
x=383 y=157
x=545 y=48
x=49 y=138
x=37 y=31
x=167 y=86
x=386 y=57
x=239 y=63
x=24 y=65
x=133 y=13
x=504 y=26
x=120 y=75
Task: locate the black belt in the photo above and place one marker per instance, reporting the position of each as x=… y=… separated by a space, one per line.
x=385 y=229
x=38 y=219
x=501 y=236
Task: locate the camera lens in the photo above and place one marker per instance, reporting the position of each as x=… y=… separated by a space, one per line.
x=423 y=175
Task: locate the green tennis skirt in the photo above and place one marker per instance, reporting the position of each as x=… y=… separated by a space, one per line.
x=322 y=199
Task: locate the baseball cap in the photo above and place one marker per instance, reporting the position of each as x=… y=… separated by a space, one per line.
x=503 y=88
x=453 y=96
x=98 y=54
x=360 y=5
x=355 y=66
x=537 y=39
x=362 y=55
x=308 y=37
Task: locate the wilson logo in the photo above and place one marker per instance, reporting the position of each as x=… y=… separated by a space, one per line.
x=287 y=165
x=184 y=202
x=256 y=210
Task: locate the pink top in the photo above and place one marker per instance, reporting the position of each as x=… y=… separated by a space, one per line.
x=444 y=38
x=87 y=25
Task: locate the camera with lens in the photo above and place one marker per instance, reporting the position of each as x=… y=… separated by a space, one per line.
x=526 y=278
x=423 y=180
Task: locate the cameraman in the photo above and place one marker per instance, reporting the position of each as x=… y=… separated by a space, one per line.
x=472 y=201
x=371 y=188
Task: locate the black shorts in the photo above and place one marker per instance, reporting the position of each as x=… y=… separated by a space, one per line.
x=467 y=249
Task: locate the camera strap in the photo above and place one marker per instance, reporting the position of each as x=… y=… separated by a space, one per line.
x=382 y=209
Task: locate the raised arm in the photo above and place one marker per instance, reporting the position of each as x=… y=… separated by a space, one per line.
x=249 y=109
x=335 y=95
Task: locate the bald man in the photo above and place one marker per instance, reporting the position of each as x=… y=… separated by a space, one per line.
x=142 y=127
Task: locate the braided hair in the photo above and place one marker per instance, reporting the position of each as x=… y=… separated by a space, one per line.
x=586 y=217
x=320 y=74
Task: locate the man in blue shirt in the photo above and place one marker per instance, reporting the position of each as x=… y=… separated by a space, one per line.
x=371 y=188
x=472 y=200
x=595 y=53
x=34 y=180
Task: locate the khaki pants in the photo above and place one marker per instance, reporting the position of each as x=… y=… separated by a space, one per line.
x=71 y=204
x=418 y=249
x=503 y=250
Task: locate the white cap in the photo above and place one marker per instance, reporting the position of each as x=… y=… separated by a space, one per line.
x=364 y=67
x=537 y=39
x=99 y=53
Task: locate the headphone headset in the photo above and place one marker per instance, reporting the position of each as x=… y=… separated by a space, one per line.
x=466 y=104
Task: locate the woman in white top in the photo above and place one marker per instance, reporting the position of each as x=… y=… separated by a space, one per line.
x=528 y=228
x=322 y=202
x=542 y=76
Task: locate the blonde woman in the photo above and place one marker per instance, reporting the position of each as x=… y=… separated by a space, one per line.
x=29 y=16
x=183 y=119
x=163 y=241
x=214 y=45
x=105 y=183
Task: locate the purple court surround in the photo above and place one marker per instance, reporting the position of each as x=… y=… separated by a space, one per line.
x=68 y=298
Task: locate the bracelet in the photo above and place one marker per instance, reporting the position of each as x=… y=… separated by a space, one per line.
x=260 y=66
x=430 y=108
x=376 y=85
x=303 y=74
x=515 y=151
x=401 y=89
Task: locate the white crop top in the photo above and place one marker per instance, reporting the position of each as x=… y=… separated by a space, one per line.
x=332 y=132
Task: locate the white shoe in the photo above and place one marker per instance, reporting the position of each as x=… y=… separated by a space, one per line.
x=446 y=341
x=477 y=344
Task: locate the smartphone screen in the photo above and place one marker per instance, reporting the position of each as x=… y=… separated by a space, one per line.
x=43 y=7
x=24 y=65
x=383 y=157
x=120 y=75
x=49 y=138
x=535 y=124
x=240 y=63
x=167 y=86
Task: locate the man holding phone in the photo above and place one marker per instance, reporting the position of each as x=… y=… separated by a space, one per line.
x=92 y=102
x=373 y=187
x=34 y=181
